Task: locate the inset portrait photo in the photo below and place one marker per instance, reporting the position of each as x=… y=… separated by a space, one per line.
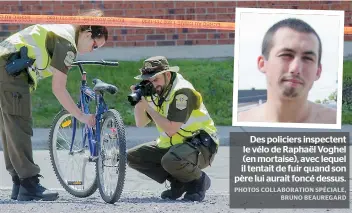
x=288 y=68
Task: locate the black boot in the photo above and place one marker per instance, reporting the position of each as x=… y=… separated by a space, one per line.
x=197 y=188
x=15 y=187
x=31 y=189
x=176 y=191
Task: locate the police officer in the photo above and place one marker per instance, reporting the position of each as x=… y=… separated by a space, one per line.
x=187 y=142
x=34 y=53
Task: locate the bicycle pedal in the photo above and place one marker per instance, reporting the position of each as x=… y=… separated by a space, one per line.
x=75 y=183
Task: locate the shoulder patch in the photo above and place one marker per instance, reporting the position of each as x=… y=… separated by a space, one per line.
x=70 y=56
x=181 y=101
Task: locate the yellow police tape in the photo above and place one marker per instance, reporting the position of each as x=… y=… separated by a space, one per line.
x=121 y=21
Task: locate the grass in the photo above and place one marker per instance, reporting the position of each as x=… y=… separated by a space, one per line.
x=213 y=79
x=347 y=69
x=346 y=109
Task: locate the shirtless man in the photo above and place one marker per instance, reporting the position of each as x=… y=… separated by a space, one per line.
x=291 y=62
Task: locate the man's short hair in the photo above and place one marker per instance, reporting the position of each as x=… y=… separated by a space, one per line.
x=292 y=23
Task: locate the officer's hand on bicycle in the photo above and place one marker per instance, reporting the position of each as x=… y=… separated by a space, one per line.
x=88 y=119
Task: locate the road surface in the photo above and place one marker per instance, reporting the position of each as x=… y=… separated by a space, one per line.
x=141 y=194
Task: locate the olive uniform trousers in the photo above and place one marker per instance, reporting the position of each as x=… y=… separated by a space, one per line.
x=183 y=162
x=16 y=124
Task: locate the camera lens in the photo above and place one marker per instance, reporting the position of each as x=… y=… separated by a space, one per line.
x=134 y=98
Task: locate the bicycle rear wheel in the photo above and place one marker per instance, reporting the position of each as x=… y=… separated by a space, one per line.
x=76 y=180
x=112 y=156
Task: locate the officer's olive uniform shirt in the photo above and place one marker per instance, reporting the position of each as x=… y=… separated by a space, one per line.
x=182 y=105
x=61 y=51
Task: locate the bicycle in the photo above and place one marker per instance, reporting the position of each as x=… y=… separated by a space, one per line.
x=97 y=141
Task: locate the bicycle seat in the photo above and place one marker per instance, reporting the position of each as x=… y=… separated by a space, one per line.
x=102 y=86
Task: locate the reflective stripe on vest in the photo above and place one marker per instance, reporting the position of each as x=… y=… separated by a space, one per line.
x=34 y=37
x=199 y=118
x=190 y=121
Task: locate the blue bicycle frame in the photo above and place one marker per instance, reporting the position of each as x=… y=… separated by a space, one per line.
x=87 y=95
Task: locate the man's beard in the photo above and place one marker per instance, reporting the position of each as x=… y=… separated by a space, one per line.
x=290 y=92
x=159 y=90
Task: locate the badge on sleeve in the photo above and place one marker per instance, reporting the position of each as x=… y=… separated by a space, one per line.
x=70 y=56
x=181 y=101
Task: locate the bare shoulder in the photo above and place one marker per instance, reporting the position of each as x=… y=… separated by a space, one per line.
x=251 y=115
x=242 y=116
x=324 y=114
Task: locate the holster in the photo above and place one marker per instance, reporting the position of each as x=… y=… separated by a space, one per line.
x=18 y=62
x=203 y=138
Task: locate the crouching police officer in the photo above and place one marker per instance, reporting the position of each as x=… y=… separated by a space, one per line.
x=37 y=52
x=187 y=143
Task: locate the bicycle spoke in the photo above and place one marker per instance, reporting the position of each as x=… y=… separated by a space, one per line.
x=77 y=177
x=109 y=157
x=74 y=163
x=69 y=143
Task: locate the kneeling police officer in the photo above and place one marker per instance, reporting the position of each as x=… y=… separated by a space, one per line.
x=188 y=137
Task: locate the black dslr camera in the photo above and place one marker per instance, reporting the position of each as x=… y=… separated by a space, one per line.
x=144 y=88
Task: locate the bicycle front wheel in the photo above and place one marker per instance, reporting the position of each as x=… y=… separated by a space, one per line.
x=111 y=163
x=75 y=172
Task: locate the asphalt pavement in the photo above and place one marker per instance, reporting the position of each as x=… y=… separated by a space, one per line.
x=140 y=194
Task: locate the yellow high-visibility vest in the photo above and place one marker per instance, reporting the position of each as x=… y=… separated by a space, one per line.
x=199 y=118
x=34 y=38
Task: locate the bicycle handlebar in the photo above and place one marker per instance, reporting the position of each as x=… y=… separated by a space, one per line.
x=102 y=62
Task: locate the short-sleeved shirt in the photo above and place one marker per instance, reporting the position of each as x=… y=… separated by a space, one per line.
x=61 y=51
x=181 y=107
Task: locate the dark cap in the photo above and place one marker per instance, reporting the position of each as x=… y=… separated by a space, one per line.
x=155 y=65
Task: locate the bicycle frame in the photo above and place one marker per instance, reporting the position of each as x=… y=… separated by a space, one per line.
x=87 y=95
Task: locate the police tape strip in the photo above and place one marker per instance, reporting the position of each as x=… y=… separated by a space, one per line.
x=114 y=21
x=121 y=21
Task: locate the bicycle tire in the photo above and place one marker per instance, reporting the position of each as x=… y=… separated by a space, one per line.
x=122 y=158
x=80 y=194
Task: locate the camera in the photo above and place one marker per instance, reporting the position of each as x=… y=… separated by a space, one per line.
x=144 y=88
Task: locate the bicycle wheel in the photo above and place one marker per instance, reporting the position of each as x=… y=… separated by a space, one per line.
x=114 y=159
x=73 y=180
